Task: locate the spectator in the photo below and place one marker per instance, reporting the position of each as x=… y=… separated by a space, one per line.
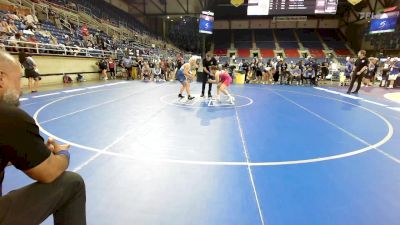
x=67 y=79
x=4 y=27
x=301 y=67
x=103 y=68
x=11 y=28
x=126 y=64
x=324 y=69
x=16 y=42
x=85 y=32
x=394 y=71
x=284 y=73
x=349 y=68
x=135 y=69
x=30 y=71
x=157 y=73
x=371 y=71
x=56 y=192
x=309 y=74
x=111 y=67
x=31 y=22
x=146 y=71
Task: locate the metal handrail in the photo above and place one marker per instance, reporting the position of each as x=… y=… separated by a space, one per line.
x=59 y=49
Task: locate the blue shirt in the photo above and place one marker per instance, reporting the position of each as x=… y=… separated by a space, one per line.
x=395 y=70
x=309 y=73
x=349 y=68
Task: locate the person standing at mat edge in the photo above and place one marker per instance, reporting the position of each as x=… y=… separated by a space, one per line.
x=207 y=62
x=56 y=192
x=360 y=66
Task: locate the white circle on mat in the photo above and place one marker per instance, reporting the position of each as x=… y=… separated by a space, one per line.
x=385 y=139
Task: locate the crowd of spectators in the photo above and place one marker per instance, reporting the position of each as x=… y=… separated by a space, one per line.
x=382 y=72
x=49 y=32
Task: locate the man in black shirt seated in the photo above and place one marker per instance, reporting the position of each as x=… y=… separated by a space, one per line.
x=56 y=191
x=360 y=67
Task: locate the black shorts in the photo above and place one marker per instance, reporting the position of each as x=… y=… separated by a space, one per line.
x=31 y=73
x=112 y=70
x=258 y=73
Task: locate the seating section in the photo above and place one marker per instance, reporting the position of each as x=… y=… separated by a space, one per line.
x=285 y=35
x=220 y=52
x=317 y=53
x=267 y=53
x=50 y=35
x=332 y=39
x=286 y=39
x=222 y=39
x=244 y=53
x=104 y=10
x=242 y=39
x=309 y=38
x=264 y=39
x=293 y=53
x=343 y=52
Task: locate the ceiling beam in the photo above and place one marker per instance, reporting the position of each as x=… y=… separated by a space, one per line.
x=172 y=14
x=201 y=4
x=369 y=6
x=382 y=3
x=181 y=5
x=137 y=9
x=158 y=7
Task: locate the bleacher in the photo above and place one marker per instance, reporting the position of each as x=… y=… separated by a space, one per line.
x=309 y=38
x=267 y=53
x=332 y=39
x=264 y=39
x=317 y=53
x=51 y=39
x=293 y=53
x=242 y=39
x=105 y=10
x=286 y=39
x=221 y=41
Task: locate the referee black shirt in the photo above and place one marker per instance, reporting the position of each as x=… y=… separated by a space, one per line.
x=359 y=64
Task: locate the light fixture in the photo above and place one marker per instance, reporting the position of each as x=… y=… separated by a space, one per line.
x=167 y=17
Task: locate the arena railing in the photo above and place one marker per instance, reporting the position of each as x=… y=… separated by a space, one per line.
x=60 y=49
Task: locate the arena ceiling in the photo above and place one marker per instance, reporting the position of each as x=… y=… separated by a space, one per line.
x=222 y=8
x=167 y=7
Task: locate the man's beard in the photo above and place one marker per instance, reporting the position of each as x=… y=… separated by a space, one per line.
x=11 y=97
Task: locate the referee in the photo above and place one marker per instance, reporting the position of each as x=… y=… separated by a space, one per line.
x=360 y=66
x=207 y=63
